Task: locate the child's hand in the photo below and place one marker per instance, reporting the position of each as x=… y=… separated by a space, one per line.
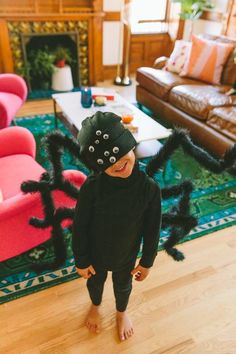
x=140 y=272
x=86 y=272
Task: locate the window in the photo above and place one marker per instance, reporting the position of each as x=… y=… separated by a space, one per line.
x=148 y=16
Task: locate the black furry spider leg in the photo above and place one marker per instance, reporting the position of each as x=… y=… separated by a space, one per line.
x=69 y=189
x=54 y=143
x=180 y=227
x=183 y=190
x=57 y=235
x=179 y=219
x=177 y=233
x=44 y=188
x=179 y=138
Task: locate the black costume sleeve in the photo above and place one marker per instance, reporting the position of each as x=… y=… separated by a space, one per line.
x=82 y=217
x=151 y=229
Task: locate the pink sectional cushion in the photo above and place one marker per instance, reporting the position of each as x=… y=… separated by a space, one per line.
x=9 y=105
x=14 y=170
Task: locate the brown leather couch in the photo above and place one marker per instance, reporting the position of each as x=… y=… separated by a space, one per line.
x=204 y=109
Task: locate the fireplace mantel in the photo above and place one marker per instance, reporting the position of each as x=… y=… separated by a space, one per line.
x=86 y=20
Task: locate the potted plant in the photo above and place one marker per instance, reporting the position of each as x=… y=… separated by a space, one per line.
x=192 y=10
x=41 y=67
x=62 y=56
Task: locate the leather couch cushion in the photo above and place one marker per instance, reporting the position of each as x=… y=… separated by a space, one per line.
x=223 y=119
x=228 y=76
x=160 y=82
x=198 y=100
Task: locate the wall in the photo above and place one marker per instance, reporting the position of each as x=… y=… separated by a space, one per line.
x=112 y=33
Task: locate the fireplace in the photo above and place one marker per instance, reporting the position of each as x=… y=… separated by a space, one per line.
x=27 y=36
x=47 y=44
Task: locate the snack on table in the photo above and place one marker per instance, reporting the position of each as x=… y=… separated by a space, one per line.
x=132 y=128
x=100 y=100
x=127 y=118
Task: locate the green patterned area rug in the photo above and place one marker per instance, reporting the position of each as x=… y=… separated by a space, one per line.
x=213 y=202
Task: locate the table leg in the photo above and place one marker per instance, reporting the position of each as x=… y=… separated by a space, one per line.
x=55 y=113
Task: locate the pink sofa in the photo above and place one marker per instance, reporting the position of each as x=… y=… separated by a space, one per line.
x=13 y=93
x=17 y=164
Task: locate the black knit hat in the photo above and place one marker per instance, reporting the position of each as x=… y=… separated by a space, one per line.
x=104 y=140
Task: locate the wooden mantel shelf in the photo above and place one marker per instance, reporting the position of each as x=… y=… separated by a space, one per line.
x=46 y=16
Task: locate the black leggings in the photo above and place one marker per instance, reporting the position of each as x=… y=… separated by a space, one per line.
x=122 y=285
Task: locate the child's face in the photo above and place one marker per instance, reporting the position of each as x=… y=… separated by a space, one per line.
x=123 y=167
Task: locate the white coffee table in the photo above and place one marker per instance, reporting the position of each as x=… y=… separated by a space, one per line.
x=72 y=114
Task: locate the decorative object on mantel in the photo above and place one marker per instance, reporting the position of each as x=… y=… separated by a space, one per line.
x=126 y=22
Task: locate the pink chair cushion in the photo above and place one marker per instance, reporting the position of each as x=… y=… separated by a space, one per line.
x=17 y=140
x=14 y=170
x=16 y=235
x=13 y=83
x=9 y=105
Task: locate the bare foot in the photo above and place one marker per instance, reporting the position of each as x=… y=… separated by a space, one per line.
x=125 y=327
x=93 y=320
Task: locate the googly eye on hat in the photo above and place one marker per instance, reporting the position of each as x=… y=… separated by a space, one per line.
x=101 y=137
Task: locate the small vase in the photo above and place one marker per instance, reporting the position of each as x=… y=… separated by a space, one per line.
x=60 y=63
x=86 y=97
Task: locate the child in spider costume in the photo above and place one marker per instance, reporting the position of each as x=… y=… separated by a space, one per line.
x=117 y=207
x=178 y=220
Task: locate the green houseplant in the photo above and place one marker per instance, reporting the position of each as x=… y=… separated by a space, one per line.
x=62 y=56
x=192 y=10
x=41 y=67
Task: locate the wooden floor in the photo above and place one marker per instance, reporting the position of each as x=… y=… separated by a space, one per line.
x=187 y=307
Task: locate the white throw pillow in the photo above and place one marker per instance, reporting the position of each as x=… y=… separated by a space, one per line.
x=177 y=59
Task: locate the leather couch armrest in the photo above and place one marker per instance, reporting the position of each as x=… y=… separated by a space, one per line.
x=160 y=62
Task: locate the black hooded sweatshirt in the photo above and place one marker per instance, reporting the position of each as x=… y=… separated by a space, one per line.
x=112 y=216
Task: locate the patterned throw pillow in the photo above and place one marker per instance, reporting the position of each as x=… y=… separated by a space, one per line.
x=176 y=61
x=206 y=60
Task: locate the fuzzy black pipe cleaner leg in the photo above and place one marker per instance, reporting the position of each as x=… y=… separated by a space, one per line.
x=54 y=143
x=180 y=226
x=179 y=219
x=44 y=188
x=49 y=182
x=181 y=138
x=58 y=240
